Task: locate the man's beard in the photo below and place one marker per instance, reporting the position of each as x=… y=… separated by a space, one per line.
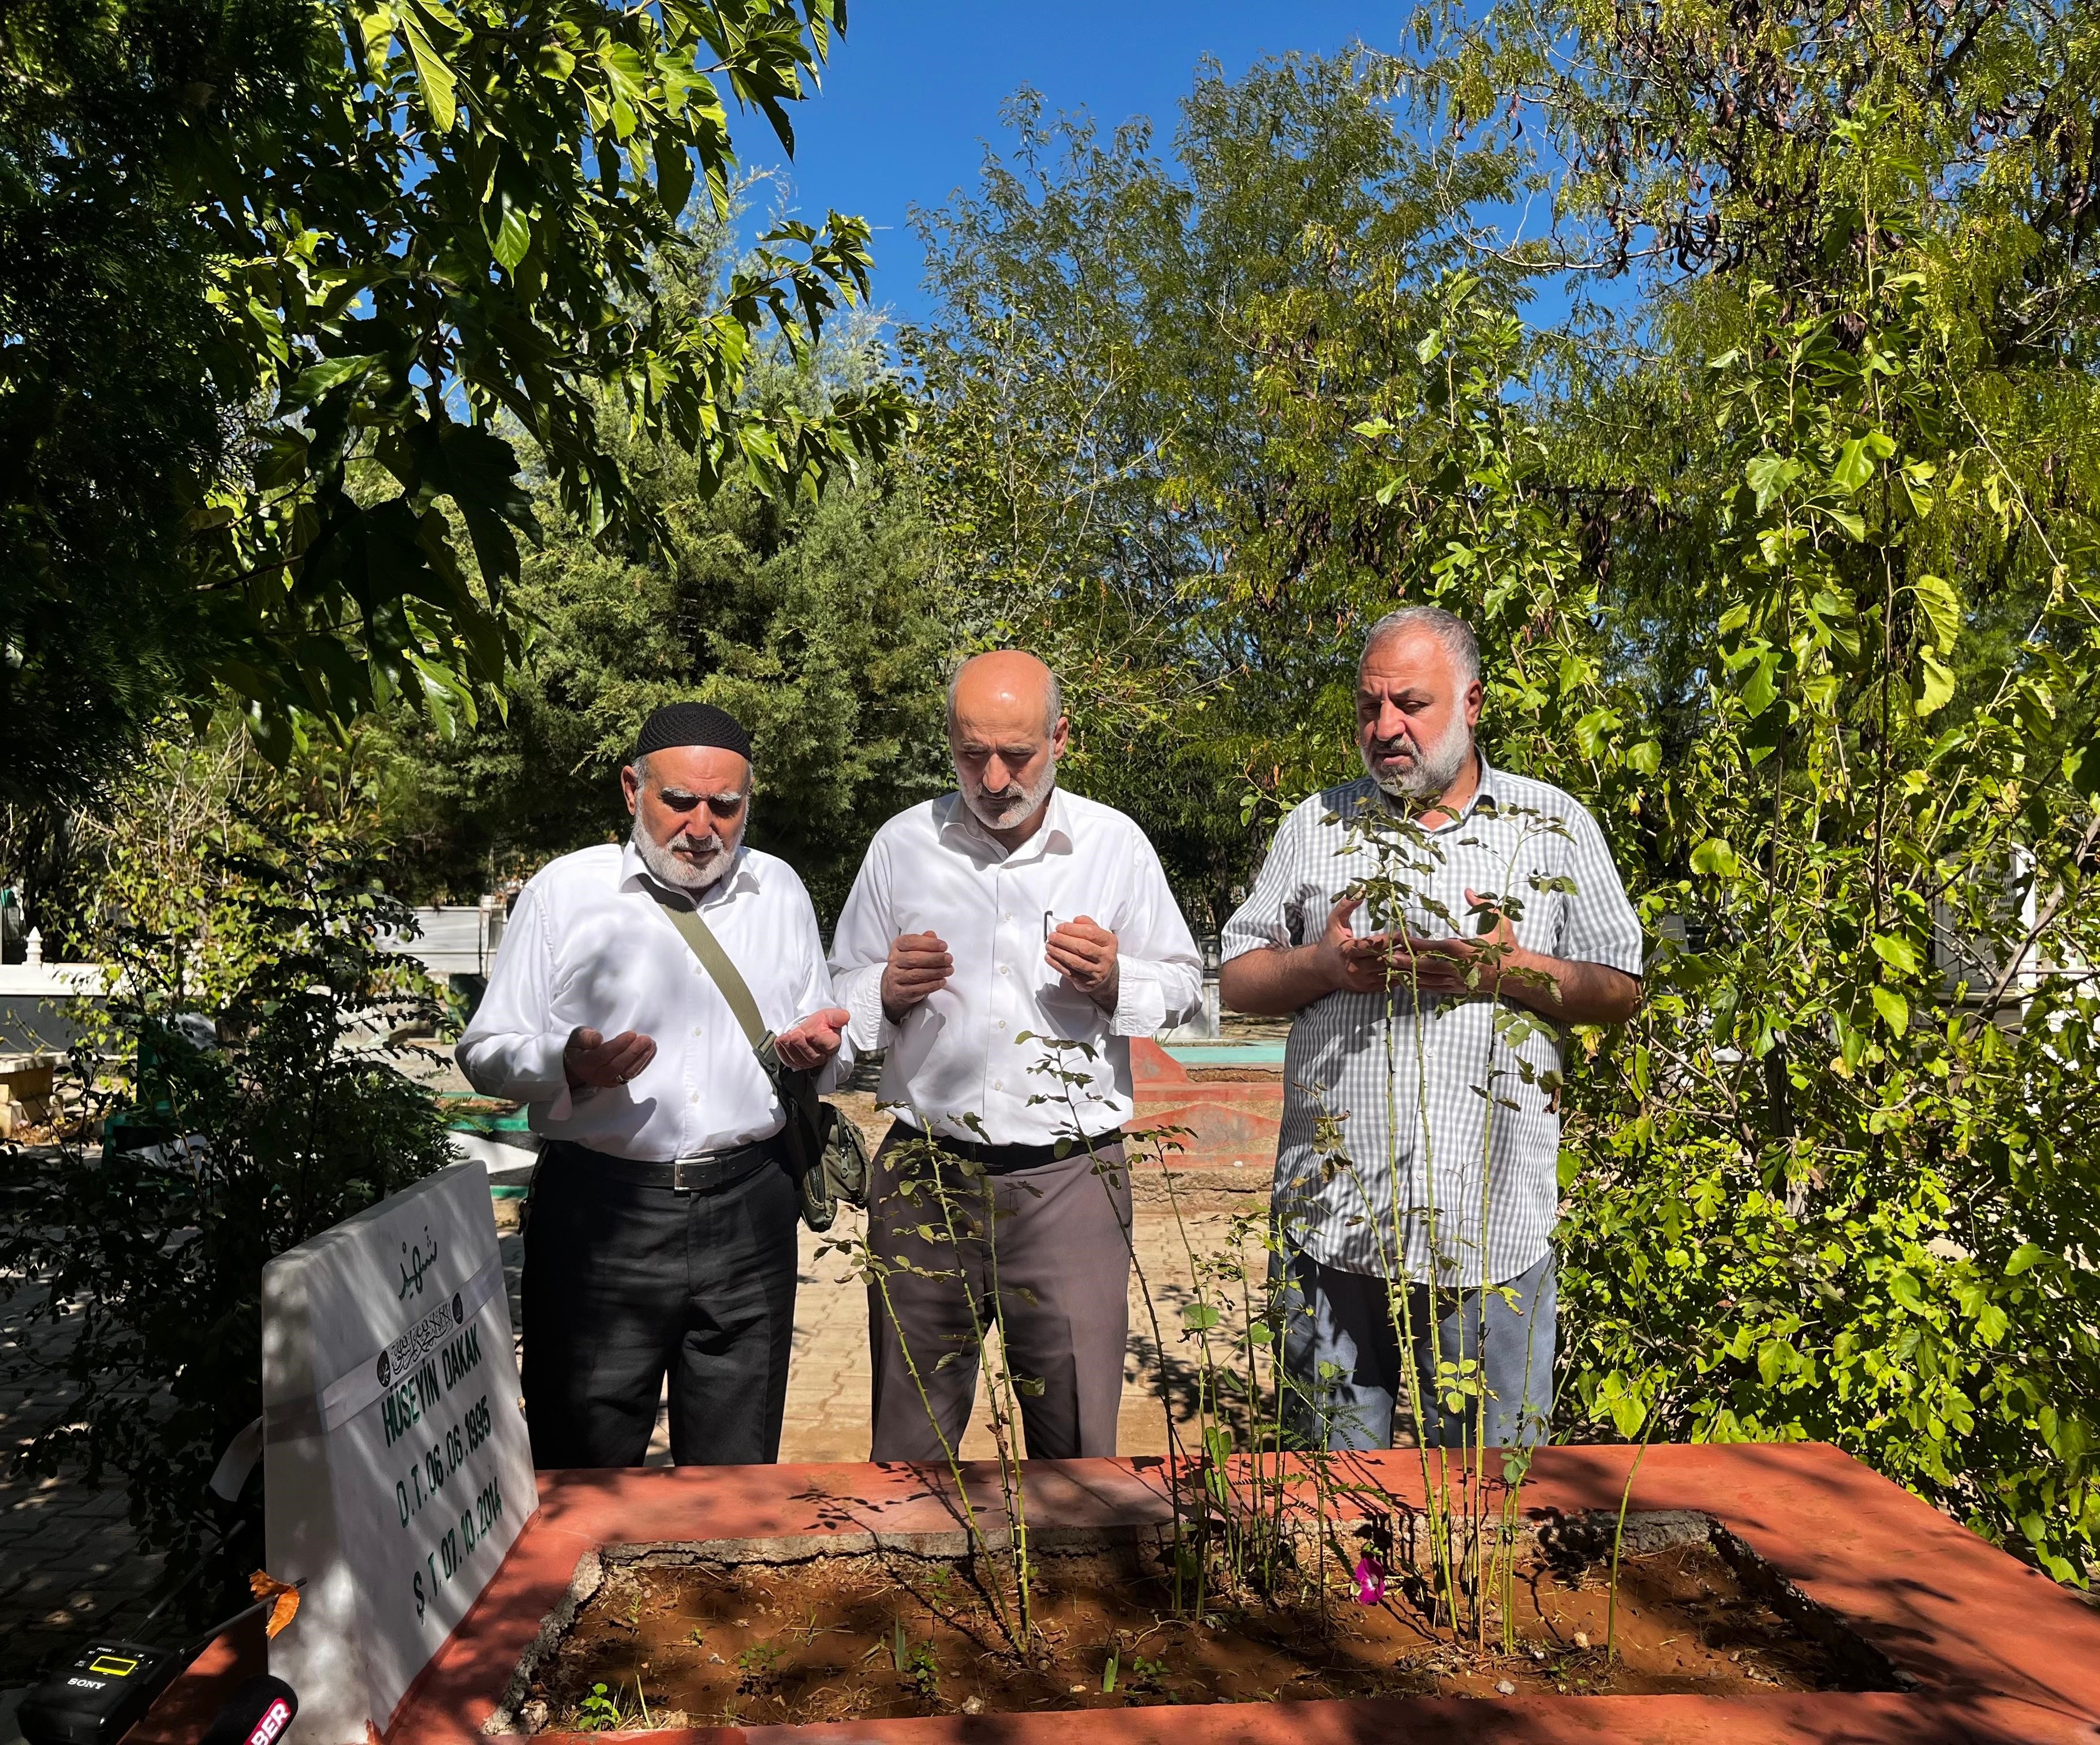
x=677 y=871
x=1013 y=805
x=1428 y=772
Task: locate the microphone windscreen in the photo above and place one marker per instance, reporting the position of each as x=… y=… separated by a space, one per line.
x=258 y=1713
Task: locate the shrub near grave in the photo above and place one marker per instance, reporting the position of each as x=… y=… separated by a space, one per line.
x=252 y=1042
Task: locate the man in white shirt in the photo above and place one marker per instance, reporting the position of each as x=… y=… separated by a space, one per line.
x=661 y=1230
x=982 y=924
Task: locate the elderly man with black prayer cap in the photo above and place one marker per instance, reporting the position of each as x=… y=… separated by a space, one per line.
x=660 y=1234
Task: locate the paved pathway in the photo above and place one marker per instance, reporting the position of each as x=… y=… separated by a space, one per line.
x=67 y=1553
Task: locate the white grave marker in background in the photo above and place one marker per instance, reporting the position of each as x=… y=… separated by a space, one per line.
x=396 y=1470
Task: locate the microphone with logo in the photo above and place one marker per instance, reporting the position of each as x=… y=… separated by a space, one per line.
x=256 y=1714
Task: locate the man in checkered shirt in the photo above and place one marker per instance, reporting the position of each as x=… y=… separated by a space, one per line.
x=1416 y=1184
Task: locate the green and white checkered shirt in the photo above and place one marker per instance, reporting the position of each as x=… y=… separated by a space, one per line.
x=1427 y=1098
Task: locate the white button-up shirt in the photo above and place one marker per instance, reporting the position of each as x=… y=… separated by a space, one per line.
x=587 y=944
x=975 y=1047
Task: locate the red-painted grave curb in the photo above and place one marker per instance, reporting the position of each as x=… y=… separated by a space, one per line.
x=1995 y=1651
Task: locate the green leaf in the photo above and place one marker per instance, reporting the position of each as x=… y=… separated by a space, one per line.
x=440 y=84
x=2081 y=770
x=1943 y=609
x=1716 y=859
x=513 y=237
x=1770 y=474
x=332 y=372
x=1894 y=1008
x=550 y=60
x=1759 y=690
x=1898 y=952
x=1935 y=683
x=1199 y=1317
x=674 y=174
x=1590 y=730
x=1853 y=468
x=375 y=29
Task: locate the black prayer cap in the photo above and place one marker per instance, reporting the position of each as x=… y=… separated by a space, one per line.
x=692 y=724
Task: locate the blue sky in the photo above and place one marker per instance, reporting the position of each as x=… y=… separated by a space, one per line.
x=916 y=87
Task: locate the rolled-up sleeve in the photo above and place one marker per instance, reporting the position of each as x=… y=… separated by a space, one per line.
x=1160 y=970
x=860 y=950
x=1598 y=923
x=509 y=1050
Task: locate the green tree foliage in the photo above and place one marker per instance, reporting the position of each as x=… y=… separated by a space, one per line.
x=814 y=624
x=252 y=1033
x=1782 y=549
x=1105 y=453
x=274 y=274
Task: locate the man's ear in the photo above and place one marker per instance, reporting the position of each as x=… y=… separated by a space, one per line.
x=1475 y=695
x=630 y=785
x=1060 y=735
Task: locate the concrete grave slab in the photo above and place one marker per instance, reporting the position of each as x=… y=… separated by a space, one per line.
x=397 y=1471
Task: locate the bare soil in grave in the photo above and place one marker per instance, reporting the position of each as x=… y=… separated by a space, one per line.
x=885 y=1634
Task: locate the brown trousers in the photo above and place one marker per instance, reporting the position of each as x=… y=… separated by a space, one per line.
x=1062 y=1253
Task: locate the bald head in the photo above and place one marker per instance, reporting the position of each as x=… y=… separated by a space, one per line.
x=1006 y=731
x=1007 y=678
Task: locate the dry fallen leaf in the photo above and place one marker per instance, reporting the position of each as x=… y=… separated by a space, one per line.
x=265 y=1586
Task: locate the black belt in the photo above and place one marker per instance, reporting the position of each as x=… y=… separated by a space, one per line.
x=705 y=1173
x=1003 y=1160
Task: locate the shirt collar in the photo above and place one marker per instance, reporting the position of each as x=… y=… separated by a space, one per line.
x=635 y=876
x=954 y=822
x=1489 y=788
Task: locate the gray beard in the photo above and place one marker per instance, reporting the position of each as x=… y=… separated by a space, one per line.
x=667 y=868
x=1010 y=813
x=1436 y=769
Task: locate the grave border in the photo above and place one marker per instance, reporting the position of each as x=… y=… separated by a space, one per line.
x=1993 y=1650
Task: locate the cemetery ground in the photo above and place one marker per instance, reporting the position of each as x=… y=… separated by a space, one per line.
x=68 y=1560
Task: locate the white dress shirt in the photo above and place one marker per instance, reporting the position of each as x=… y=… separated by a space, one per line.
x=587 y=944
x=961 y=1052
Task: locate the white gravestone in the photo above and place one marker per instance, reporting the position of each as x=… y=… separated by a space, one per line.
x=396 y=1468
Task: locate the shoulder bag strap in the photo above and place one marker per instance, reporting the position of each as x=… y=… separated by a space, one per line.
x=700 y=940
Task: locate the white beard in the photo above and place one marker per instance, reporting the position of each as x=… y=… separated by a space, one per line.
x=1006 y=813
x=679 y=874
x=1432 y=770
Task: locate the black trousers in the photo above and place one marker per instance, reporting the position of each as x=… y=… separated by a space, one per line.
x=624 y=1283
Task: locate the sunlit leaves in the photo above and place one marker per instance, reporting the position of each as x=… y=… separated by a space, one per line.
x=448 y=237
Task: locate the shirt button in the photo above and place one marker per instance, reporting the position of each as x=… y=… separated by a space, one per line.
x=1002 y=969
x=693 y=1097
x=697 y=1030
x=999 y=1024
